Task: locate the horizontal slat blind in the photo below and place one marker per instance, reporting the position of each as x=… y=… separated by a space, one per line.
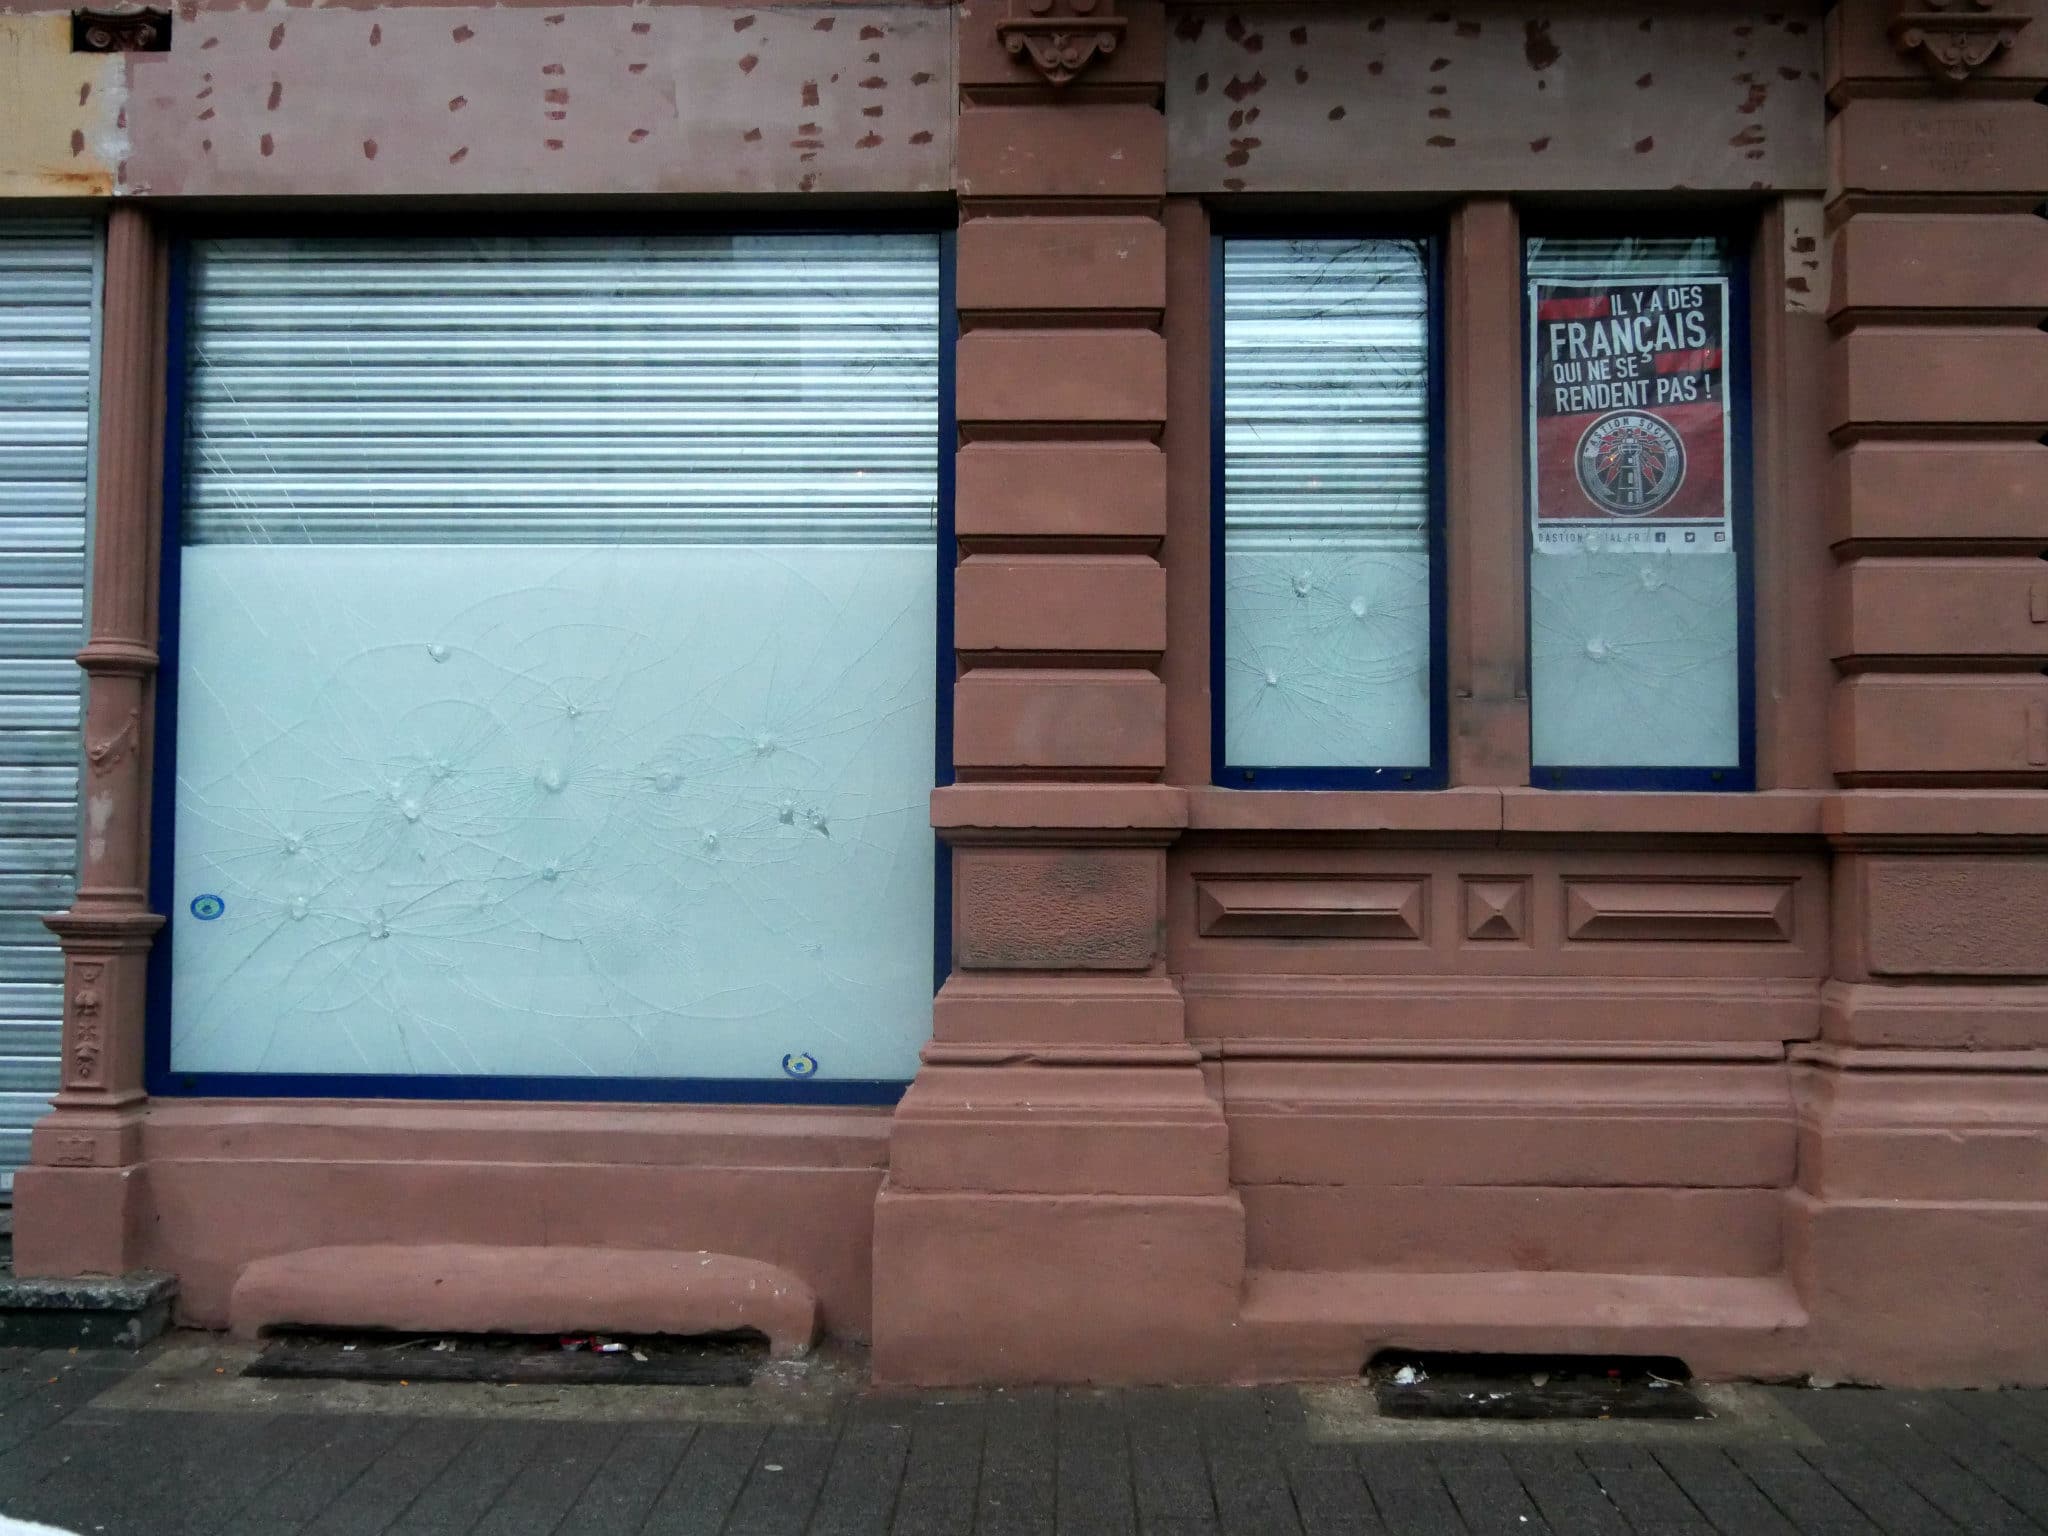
x=1326 y=504
x=1326 y=419
x=47 y=289
x=690 y=389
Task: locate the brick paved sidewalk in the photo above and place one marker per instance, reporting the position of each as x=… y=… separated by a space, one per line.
x=176 y=1442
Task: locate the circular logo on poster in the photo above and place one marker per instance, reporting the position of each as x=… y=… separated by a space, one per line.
x=1630 y=463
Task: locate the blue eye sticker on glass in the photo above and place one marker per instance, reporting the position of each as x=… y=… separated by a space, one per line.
x=802 y=1064
x=207 y=907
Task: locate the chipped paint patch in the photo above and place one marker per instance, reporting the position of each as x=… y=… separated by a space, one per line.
x=59 y=111
x=1583 y=96
x=485 y=99
x=1808 y=269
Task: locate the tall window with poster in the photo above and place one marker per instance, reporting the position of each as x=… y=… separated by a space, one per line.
x=1639 y=636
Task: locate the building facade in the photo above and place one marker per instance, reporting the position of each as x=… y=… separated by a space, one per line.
x=1096 y=691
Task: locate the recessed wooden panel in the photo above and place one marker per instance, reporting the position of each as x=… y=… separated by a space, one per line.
x=1686 y=911
x=1313 y=909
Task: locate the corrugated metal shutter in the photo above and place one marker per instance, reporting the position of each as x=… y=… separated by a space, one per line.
x=679 y=389
x=48 y=288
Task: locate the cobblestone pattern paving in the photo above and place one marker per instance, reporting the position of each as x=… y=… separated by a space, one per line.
x=1032 y=1463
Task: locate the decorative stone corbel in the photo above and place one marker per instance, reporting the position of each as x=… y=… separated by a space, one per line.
x=1954 y=38
x=1060 y=38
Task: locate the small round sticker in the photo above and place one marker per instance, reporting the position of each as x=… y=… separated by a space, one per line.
x=802 y=1064
x=206 y=908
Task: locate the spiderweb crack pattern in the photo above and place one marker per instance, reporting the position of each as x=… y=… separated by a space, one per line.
x=556 y=676
x=634 y=811
x=1326 y=573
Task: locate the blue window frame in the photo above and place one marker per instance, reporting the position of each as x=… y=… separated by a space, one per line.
x=1640 y=597
x=803 y=1076
x=1327 y=581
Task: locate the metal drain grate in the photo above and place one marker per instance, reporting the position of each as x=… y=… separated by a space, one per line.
x=1532 y=1387
x=512 y=1361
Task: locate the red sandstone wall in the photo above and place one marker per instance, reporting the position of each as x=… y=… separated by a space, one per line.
x=1921 y=1220
x=1230 y=1083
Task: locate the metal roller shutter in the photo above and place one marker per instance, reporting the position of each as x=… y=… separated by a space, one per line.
x=48 y=287
x=716 y=389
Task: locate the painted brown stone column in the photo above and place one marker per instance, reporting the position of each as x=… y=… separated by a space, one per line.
x=1059 y=1205
x=80 y=1208
x=1921 y=1224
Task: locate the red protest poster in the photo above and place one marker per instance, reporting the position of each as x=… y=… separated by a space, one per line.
x=1628 y=430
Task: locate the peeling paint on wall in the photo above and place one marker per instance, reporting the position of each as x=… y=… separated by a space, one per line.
x=523 y=99
x=1301 y=98
x=60 y=112
x=1808 y=269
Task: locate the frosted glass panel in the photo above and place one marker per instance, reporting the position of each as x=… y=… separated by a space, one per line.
x=1326 y=574
x=1633 y=591
x=649 y=802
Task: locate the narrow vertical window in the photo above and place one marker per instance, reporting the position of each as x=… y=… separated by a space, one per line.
x=1328 y=576
x=555 y=677
x=1638 y=515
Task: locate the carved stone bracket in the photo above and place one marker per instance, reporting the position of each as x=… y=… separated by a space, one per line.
x=1954 y=38
x=1060 y=38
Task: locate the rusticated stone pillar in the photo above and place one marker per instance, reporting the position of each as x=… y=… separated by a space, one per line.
x=1059 y=1204
x=1921 y=1226
x=79 y=1208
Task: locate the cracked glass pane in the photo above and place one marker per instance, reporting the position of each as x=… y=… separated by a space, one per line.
x=1326 y=574
x=555 y=678
x=1633 y=590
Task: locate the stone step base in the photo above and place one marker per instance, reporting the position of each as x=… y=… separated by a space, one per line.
x=85 y=1311
x=1306 y=1324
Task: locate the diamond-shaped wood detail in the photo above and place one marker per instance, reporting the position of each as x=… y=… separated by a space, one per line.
x=1496 y=909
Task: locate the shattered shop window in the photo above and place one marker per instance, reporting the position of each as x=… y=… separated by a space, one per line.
x=1328 y=567
x=555 y=676
x=1638 y=515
